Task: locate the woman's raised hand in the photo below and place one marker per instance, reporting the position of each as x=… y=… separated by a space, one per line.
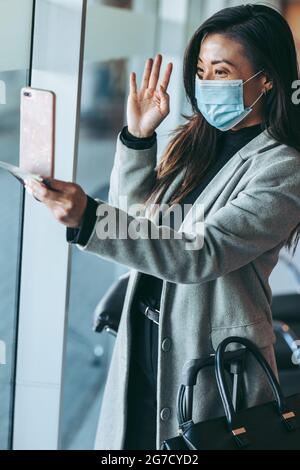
x=149 y=106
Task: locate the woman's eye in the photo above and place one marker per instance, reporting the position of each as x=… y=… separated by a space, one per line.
x=220 y=72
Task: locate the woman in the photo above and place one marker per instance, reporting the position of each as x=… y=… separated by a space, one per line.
x=239 y=156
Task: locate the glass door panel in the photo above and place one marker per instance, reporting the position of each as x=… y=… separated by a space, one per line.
x=15 y=39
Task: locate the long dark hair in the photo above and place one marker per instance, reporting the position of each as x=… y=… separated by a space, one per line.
x=269 y=45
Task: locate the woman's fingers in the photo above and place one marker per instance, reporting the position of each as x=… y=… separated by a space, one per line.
x=151 y=75
x=166 y=80
x=147 y=73
x=133 y=85
x=44 y=194
x=58 y=185
x=67 y=201
x=29 y=190
x=155 y=72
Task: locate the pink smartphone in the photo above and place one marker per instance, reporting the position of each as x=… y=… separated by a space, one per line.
x=37 y=131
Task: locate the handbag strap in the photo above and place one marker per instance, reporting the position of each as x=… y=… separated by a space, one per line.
x=237 y=428
x=233 y=361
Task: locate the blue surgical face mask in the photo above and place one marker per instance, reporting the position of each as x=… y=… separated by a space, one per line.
x=221 y=102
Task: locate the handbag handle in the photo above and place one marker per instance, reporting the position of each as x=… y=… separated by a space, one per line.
x=224 y=389
x=233 y=360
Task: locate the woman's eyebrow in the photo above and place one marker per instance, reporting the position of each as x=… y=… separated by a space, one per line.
x=214 y=62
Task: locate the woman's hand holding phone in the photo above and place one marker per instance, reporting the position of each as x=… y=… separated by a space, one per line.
x=148 y=107
x=67 y=201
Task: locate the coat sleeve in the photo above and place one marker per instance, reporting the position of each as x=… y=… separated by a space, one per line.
x=133 y=174
x=261 y=216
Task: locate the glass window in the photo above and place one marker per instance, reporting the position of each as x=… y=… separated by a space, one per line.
x=14 y=74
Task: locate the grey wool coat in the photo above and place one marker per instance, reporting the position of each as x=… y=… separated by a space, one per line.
x=219 y=290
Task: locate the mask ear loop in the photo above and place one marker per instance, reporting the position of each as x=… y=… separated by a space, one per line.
x=263 y=93
x=253 y=76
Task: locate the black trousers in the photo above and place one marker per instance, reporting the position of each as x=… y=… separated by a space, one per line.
x=141 y=411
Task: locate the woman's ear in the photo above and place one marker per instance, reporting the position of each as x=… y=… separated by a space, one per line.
x=267 y=83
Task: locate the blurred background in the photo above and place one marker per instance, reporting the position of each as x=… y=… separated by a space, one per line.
x=119 y=36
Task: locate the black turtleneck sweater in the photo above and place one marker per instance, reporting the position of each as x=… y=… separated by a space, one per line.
x=229 y=143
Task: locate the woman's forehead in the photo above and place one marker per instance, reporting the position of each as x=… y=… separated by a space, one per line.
x=216 y=48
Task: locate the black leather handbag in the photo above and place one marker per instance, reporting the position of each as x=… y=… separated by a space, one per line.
x=271 y=426
x=108 y=311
